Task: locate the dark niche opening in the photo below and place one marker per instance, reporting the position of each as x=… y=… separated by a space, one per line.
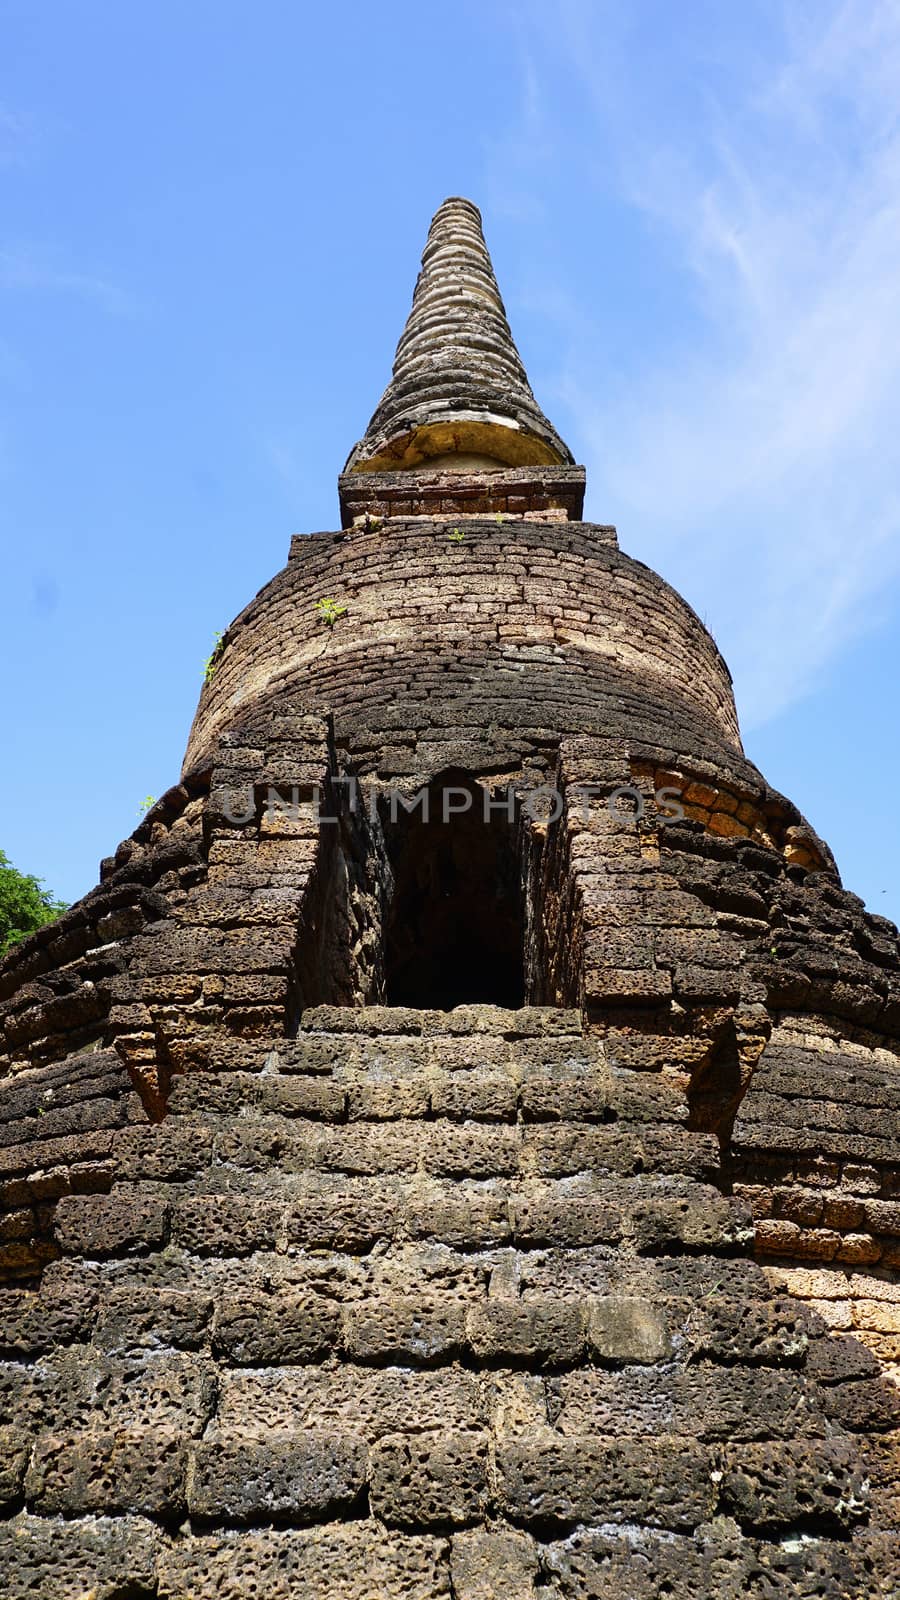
x=454 y=926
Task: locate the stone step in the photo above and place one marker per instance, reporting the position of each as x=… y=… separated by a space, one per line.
x=220 y=1152
x=421 y=1304
x=723 y=1308
x=327 y=1051
x=429 y=1458
x=526 y=1022
x=292 y=1325
x=361 y=1558
x=384 y=1085
x=312 y=1211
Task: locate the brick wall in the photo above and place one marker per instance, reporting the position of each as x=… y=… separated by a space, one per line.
x=516 y=597
x=448 y=1303
x=307 y=1294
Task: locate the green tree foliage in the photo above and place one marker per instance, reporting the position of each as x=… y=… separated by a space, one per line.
x=24 y=905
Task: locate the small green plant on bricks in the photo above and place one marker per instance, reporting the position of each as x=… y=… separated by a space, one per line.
x=212 y=660
x=147 y=804
x=330 y=610
x=456 y=537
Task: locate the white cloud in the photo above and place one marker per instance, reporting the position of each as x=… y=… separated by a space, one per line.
x=758 y=469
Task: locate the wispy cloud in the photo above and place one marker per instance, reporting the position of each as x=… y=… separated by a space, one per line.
x=517 y=159
x=17 y=135
x=756 y=465
x=285 y=454
x=23 y=268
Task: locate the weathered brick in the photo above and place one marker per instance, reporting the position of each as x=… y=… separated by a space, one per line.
x=266 y=1329
x=551 y=1479
x=416 y=1329
x=430 y=1480
x=227 y=1225
x=124 y=1222
x=132 y=1470
x=518 y=1331
x=781 y=1484
x=309 y=1476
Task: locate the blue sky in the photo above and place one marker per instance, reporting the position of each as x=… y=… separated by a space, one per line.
x=210 y=227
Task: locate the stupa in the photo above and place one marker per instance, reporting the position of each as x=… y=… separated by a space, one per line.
x=452 y=1154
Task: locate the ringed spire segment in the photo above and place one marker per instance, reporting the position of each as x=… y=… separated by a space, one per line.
x=459 y=396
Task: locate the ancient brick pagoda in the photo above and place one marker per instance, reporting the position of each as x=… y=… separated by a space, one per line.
x=430 y=1174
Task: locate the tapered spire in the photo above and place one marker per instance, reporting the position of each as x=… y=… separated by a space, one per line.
x=459 y=388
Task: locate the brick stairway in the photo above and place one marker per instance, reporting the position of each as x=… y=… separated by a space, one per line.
x=437 y=1305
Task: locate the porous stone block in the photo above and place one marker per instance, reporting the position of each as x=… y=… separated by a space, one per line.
x=167 y=1152
x=493 y=1564
x=786 y=1483
x=696 y=1216
x=462 y=1215
x=341 y=1215
x=835 y=1359
x=137 y=1470
x=551 y=1479
x=419 y=1329
x=748 y=1328
x=468 y=1150
x=516 y=1331
x=883 y=1216
x=15 y=1448
x=394 y=1098
x=429 y=1480
x=699 y=1402
x=264 y=1329
x=343 y=1561
x=145 y=1389
x=104 y=1557
x=370 y=1402
x=225 y=1225
x=627 y=1329
x=33 y=1321
x=616 y=986
x=152 y=1318
x=288 y=1096
x=552 y=1151
x=125 y=1222
x=864 y=1405
x=465 y=1095
x=308 y=1476
x=550 y=1215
